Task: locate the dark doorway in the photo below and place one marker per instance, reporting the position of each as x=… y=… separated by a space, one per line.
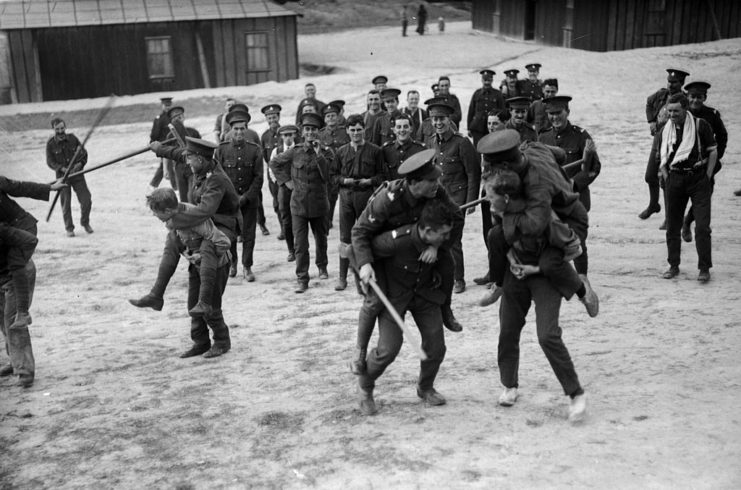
x=529 y=20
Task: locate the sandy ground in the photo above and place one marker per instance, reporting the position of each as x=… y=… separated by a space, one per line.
x=113 y=406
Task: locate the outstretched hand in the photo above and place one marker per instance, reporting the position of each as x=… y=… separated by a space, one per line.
x=367 y=273
x=428 y=255
x=57 y=185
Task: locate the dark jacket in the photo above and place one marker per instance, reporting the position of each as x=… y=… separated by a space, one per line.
x=483 y=101
x=243 y=165
x=394 y=153
x=366 y=163
x=460 y=166
x=59 y=154
x=308 y=168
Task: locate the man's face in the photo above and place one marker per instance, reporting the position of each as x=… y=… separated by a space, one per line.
x=273 y=120
x=392 y=103
x=308 y=109
x=239 y=132
x=165 y=214
x=310 y=91
x=380 y=86
x=374 y=102
x=330 y=119
x=443 y=87
x=424 y=188
x=440 y=123
x=166 y=105
x=356 y=133
x=59 y=130
x=676 y=112
x=402 y=129
x=288 y=138
x=487 y=80
x=518 y=115
x=533 y=75
x=310 y=133
x=413 y=100
x=179 y=118
x=549 y=91
x=697 y=100
x=196 y=163
x=558 y=118
x=434 y=237
x=673 y=85
x=494 y=124
x=497 y=202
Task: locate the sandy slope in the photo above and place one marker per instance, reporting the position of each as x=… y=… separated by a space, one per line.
x=114 y=407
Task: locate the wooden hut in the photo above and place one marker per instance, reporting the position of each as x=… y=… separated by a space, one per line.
x=70 y=49
x=607 y=25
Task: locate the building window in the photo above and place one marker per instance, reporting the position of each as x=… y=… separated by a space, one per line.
x=655 y=19
x=159 y=57
x=256 y=44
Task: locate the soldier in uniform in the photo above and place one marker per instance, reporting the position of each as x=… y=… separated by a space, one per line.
x=305 y=169
x=510 y=86
x=536 y=115
x=383 y=127
x=214 y=197
x=17 y=272
x=159 y=132
x=334 y=136
x=578 y=145
x=656 y=116
x=697 y=94
x=379 y=82
x=396 y=203
x=411 y=285
x=443 y=92
x=183 y=174
x=288 y=139
x=483 y=101
x=243 y=164
x=358 y=170
x=416 y=113
x=518 y=107
x=340 y=104
x=221 y=127
x=532 y=86
x=59 y=152
x=460 y=174
x=426 y=129
x=688 y=153
x=268 y=141
x=373 y=113
x=401 y=148
x=310 y=99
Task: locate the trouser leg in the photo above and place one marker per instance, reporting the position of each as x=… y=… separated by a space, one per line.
x=319 y=230
x=65 y=195
x=652 y=178
x=390 y=339
x=547 y=307
x=17 y=338
x=429 y=321
x=456 y=250
x=562 y=276
x=168 y=265
x=207 y=271
x=158 y=175
x=249 y=225
x=300 y=226
x=260 y=210
x=498 y=249
x=79 y=185
x=701 y=192
x=676 y=202
x=486 y=222
x=198 y=328
x=216 y=319
x=579 y=222
x=284 y=207
x=513 y=308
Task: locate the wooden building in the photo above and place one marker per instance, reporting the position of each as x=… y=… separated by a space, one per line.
x=607 y=25
x=70 y=49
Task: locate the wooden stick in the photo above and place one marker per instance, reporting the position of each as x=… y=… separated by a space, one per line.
x=117 y=159
x=472 y=203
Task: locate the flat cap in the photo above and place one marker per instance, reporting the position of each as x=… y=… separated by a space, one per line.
x=271 y=109
x=698 y=86
x=175 y=110
x=557 y=103
x=420 y=166
x=487 y=72
x=499 y=144
x=434 y=87
x=330 y=108
x=379 y=79
x=237 y=116
x=511 y=72
x=390 y=93
x=675 y=74
x=533 y=66
x=166 y=100
x=312 y=119
x=339 y=103
x=239 y=107
x=520 y=101
x=440 y=108
x=288 y=128
x=199 y=147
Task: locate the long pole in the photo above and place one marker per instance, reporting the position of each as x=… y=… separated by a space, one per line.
x=117 y=159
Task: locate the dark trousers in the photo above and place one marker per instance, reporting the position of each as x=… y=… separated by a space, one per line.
x=334 y=193
x=486 y=222
x=286 y=220
x=681 y=188
x=690 y=216
x=17 y=339
x=429 y=321
x=249 y=225
x=404 y=25
x=300 y=226
x=652 y=178
x=160 y=173
x=260 y=210
x=79 y=185
x=515 y=303
x=17 y=257
x=456 y=249
x=352 y=204
x=183 y=177
x=199 y=325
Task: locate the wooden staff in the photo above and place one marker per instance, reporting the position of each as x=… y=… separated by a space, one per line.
x=117 y=159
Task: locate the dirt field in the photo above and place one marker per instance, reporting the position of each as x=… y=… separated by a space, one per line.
x=114 y=407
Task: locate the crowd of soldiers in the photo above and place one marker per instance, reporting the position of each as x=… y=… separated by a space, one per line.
x=405 y=179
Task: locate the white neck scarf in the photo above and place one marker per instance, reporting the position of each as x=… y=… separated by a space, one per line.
x=669 y=138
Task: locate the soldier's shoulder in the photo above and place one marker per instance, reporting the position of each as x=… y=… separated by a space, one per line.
x=388 y=143
x=419 y=143
x=402 y=231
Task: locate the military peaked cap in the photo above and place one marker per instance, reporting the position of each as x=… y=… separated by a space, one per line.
x=288 y=128
x=330 y=108
x=511 y=72
x=420 y=166
x=499 y=145
x=271 y=109
x=676 y=74
x=339 y=103
x=520 y=101
x=237 y=116
x=440 y=108
x=557 y=103
x=389 y=93
x=698 y=86
x=239 y=107
x=487 y=72
x=199 y=147
x=175 y=110
x=533 y=66
x=166 y=100
x=379 y=79
x=312 y=119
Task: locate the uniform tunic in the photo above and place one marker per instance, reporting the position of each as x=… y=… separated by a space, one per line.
x=395 y=152
x=531 y=89
x=483 y=101
x=527 y=133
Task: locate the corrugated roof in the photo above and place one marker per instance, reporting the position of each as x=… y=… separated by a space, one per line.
x=25 y=14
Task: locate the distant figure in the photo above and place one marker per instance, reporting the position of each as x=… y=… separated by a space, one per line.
x=404 y=21
x=441 y=25
x=421 y=19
